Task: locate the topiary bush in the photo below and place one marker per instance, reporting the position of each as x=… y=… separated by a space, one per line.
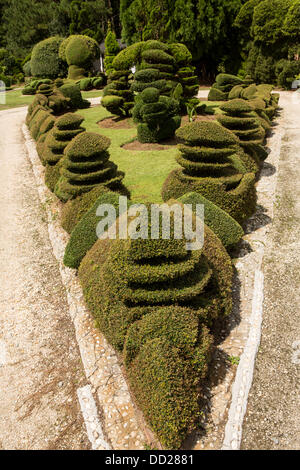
x=112 y=49
x=151 y=299
x=157 y=116
x=223 y=86
x=45 y=60
x=79 y=52
x=72 y=92
x=117 y=95
x=84 y=235
x=86 y=165
x=221 y=223
x=212 y=166
x=240 y=119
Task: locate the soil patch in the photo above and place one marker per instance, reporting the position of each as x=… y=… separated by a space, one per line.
x=205 y=117
x=138 y=146
x=115 y=123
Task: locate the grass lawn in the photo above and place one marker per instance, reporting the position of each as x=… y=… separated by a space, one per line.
x=15 y=99
x=145 y=171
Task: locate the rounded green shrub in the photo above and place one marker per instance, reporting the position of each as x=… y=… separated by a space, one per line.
x=117 y=95
x=222 y=224
x=79 y=52
x=86 y=165
x=217 y=95
x=72 y=92
x=45 y=60
x=158 y=117
x=211 y=165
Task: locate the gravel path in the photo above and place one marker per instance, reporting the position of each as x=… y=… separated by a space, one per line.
x=273 y=415
x=40 y=365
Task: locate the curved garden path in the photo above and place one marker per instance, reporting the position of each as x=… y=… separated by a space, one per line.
x=40 y=365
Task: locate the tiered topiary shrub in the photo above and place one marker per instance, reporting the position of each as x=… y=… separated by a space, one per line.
x=223 y=85
x=117 y=95
x=45 y=60
x=241 y=119
x=79 y=52
x=154 y=301
x=66 y=128
x=157 y=116
x=211 y=165
x=86 y=165
x=185 y=74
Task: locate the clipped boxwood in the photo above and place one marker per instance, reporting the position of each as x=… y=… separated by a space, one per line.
x=211 y=166
x=224 y=226
x=86 y=165
x=45 y=60
x=72 y=91
x=84 y=235
x=217 y=95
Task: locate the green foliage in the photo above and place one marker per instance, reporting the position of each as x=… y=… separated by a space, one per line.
x=217 y=95
x=79 y=51
x=224 y=226
x=150 y=299
x=72 y=92
x=86 y=165
x=65 y=129
x=212 y=166
x=27 y=69
x=84 y=235
x=117 y=95
x=45 y=61
x=112 y=49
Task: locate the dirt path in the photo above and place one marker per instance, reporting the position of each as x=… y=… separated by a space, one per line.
x=273 y=415
x=40 y=365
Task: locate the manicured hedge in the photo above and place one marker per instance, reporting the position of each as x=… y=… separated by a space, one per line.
x=151 y=299
x=211 y=166
x=224 y=226
x=117 y=96
x=72 y=92
x=79 y=51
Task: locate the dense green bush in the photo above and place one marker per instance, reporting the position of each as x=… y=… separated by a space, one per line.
x=157 y=116
x=65 y=129
x=27 y=69
x=221 y=223
x=112 y=49
x=86 y=165
x=45 y=61
x=84 y=235
x=240 y=119
x=72 y=92
x=212 y=166
x=117 y=95
x=150 y=298
x=79 y=52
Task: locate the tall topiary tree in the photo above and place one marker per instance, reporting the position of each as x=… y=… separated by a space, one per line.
x=79 y=52
x=211 y=165
x=112 y=49
x=45 y=60
x=86 y=165
x=241 y=119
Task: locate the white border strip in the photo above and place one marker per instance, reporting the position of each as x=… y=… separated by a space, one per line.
x=90 y=416
x=245 y=371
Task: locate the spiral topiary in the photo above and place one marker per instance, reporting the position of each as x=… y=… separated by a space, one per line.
x=117 y=95
x=151 y=299
x=86 y=165
x=211 y=165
